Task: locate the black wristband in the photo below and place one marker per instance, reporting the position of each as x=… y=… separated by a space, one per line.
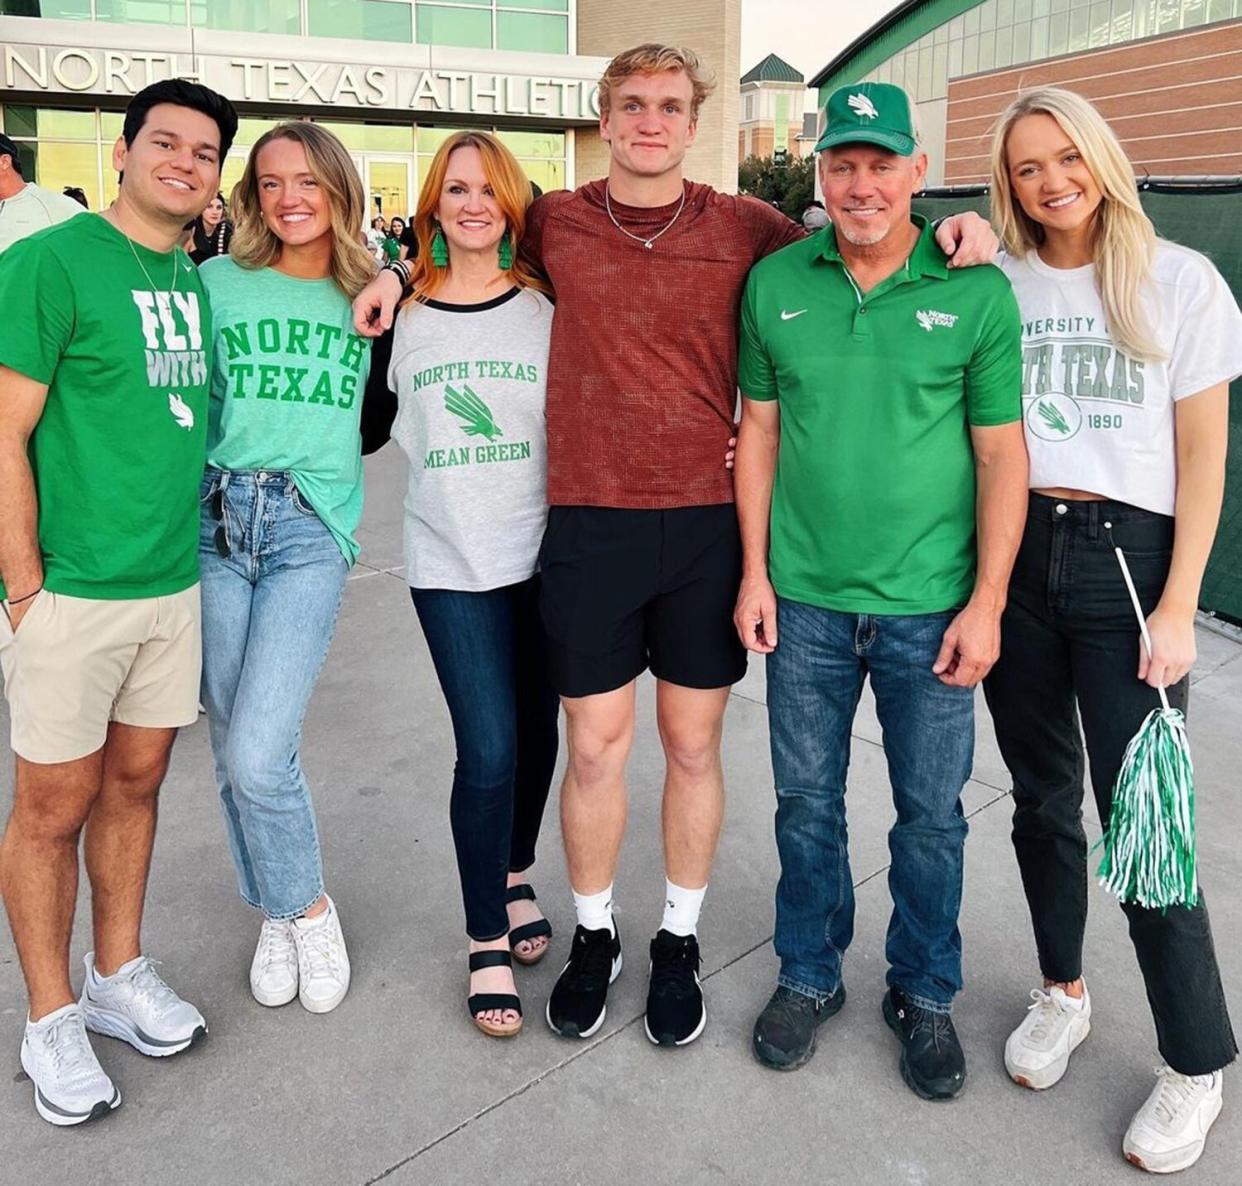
x=19 y=600
x=401 y=269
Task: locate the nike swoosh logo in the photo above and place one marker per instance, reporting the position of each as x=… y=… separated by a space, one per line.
x=787 y=316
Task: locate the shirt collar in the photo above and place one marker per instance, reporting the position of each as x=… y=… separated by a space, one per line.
x=926 y=258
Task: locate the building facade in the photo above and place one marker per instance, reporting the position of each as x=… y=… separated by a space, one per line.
x=771 y=101
x=1167 y=74
x=392 y=78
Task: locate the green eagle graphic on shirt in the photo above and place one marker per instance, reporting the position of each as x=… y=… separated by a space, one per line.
x=476 y=416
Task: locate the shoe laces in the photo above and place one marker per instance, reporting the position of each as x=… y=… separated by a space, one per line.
x=276 y=945
x=673 y=969
x=1047 y=1011
x=322 y=953
x=69 y=1048
x=928 y=1021
x=789 y=1007
x=590 y=962
x=1177 y=1092
x=151 y=987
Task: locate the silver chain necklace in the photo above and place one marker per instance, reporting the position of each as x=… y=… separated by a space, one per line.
x=172 y=287
x=646 y=241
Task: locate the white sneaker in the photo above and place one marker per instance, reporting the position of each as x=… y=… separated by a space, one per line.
x=1169 y=1131
x=274 y=969
x=70 y=1085
x=135 y=1005
x=323 y=962
x=1038 y=1051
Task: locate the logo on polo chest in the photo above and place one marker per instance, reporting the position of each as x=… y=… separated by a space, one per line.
x=929 y=319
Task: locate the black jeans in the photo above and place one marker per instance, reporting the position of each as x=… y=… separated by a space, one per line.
x=1069 y=637
x=490 y=655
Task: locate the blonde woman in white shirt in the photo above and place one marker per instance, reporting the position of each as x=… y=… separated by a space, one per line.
x=1129 y=346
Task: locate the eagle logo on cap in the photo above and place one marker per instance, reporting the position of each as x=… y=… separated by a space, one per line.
x=863 y=106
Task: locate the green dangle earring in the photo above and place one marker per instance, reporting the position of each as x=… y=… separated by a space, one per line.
x=439 y=248
x=505 y=252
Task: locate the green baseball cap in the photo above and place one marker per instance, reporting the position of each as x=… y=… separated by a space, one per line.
x=869 y=113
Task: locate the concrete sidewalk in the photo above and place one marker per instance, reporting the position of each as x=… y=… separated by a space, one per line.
x=398 y=1086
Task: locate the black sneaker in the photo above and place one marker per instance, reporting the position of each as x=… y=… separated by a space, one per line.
x=932 y=1062
x=578 y=1002
x=784 y=1034
x=676 y=1014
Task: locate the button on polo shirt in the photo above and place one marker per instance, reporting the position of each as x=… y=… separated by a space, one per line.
x=873 y=507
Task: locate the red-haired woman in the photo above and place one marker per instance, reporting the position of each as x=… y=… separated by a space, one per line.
x=469 y=353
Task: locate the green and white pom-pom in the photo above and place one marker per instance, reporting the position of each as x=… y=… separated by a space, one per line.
x=1149 y=848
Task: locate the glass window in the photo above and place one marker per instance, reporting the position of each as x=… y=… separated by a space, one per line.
x=1123 y=20
x=547 y=175
x=925 y=75
x=68 y=10
x=955 y=59
x=970 y=55
x=1060 y=5
x=1219 y=10
x=1040 y=8
x=1022 y=10
x=1080 y=28
x=940 y=34
x=970 y=25
x=111 y=125
x=545 y=145
x=1021 y=43
x=987 y=50
x=469 y=27
x=1058 y=34
x=1004 y=47
x=276 y=16
x=363 y=20
x=550 y=5
x=1100 y=24
x=149 y=12
x=231 y=173
x=429 y=139
x=371 y=137
x=58 y=165
x=897 y=65
x=532 y=32
x=987 y=16
x=940 y=71
x=1039 y=39
x=50 y=123
x=957 y=28
x=1004 y=13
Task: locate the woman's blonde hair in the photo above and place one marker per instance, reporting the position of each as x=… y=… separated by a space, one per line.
x=1123 y=242
x=513 y=195
x=653 y=58
x=255 y=245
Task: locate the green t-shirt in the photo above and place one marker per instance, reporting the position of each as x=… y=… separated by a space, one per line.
x=118 y=452
x=287 y=386
x=873 y=508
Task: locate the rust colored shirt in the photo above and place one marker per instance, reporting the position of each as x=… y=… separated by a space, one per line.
x=642 y=375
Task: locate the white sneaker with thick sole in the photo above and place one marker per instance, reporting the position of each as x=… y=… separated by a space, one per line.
x=135 y=1005
x=69 y=1084
x=1038 y=1051
x=1169 y=1131
x=274 y=969
x=323 y=962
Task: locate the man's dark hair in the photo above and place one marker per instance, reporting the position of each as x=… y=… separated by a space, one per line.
x=181 y=94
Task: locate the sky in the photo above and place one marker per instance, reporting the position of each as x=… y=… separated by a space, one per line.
x=808 y=34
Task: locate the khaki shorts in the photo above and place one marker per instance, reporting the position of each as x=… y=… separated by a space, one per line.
x=76 y=663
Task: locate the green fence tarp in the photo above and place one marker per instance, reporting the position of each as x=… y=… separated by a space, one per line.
x=1208 y=219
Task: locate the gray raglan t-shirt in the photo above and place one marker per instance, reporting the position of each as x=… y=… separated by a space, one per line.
x=471 y=384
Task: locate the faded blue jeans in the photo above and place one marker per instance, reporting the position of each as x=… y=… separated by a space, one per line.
x=269 y=612
x=815 y=678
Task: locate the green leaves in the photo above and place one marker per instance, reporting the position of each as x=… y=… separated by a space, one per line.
x=477 y=416
x=1052 y=417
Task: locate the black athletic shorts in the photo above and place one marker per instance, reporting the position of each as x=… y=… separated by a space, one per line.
x=623 y=590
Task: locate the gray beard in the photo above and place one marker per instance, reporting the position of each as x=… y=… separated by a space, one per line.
x=864 y=240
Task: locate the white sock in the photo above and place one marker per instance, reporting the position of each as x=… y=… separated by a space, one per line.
x=304 y=923
x=681 y=909
x=595 y=910
x=1075 y=1003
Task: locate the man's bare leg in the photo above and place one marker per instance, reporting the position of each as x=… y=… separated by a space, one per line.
x=691 y=721
x=120 y=835
x=599 y=732
x=39 y=870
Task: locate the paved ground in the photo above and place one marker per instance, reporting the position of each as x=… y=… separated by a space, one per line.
x=398 y=1086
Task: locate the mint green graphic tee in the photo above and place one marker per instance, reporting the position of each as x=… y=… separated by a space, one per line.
x=119 y=334
x=286 y=390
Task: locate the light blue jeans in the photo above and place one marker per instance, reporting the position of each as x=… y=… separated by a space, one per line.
x=272 y=580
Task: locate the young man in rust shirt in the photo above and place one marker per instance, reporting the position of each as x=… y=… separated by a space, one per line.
x=641 y=558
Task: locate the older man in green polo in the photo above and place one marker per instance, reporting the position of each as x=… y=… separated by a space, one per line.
x=881 y=486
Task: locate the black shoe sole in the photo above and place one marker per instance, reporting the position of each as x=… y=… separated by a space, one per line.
x=919 y=1089
x=832 y=1006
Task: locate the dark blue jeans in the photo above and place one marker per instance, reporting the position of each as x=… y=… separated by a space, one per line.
x=1069 y=654
x=815 y=678
x=490 y=656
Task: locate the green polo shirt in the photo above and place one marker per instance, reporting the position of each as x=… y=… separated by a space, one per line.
x=873 y=508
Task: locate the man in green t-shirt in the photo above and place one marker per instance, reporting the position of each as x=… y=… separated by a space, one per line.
x=104 y=368
x=881 y=489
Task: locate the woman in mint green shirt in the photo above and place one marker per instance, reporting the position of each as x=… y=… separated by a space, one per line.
x=281 y=500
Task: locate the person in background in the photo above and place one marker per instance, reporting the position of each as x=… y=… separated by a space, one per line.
x=394 y=248
x=24 y=206
x=210 y=233
x=375 y=234
x=1130 y=343
x=281 y=500
x=814 y=218
x=78 y=194
x=469 y=372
